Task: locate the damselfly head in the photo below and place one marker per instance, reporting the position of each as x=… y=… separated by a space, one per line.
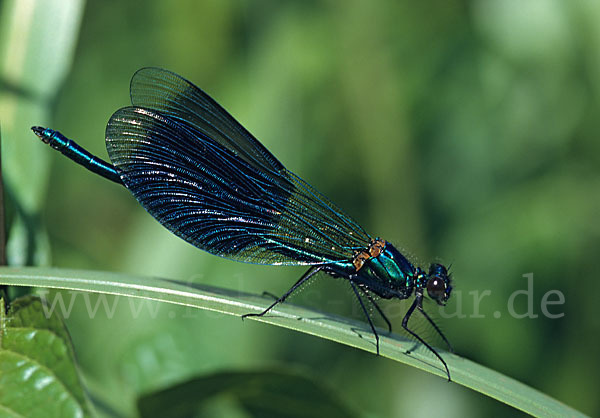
x=438 y=283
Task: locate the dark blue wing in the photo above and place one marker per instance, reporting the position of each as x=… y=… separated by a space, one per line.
x=220 y=189
x=180 y=100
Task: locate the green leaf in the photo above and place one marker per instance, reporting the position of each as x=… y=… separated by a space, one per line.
x=259 y=393
x=37 y=42
x=38 y=376
x=331 y=327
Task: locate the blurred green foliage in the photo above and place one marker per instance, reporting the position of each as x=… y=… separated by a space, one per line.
x=269 y=393
x=462 y=131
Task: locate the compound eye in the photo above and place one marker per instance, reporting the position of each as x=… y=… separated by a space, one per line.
x=436 y=288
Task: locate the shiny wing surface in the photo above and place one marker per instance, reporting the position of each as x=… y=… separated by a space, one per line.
x=218 y=193
x=180 y=100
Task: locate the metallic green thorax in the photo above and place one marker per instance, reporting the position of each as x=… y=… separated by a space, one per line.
x=390 y=275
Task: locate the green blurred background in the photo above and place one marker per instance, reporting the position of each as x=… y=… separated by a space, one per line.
x=462 y=131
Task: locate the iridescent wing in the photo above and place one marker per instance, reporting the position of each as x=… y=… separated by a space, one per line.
x=180 y=100
x=209 y=181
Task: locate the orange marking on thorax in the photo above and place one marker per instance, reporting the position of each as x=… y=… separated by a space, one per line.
x=374 y=249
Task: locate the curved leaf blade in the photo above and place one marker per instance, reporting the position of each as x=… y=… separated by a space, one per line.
x=328 y=326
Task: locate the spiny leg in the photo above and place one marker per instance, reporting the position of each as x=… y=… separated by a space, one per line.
x=311 y=272
x=419 y=302
x=362 y=305
x=434 y=325
x=387 y=321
